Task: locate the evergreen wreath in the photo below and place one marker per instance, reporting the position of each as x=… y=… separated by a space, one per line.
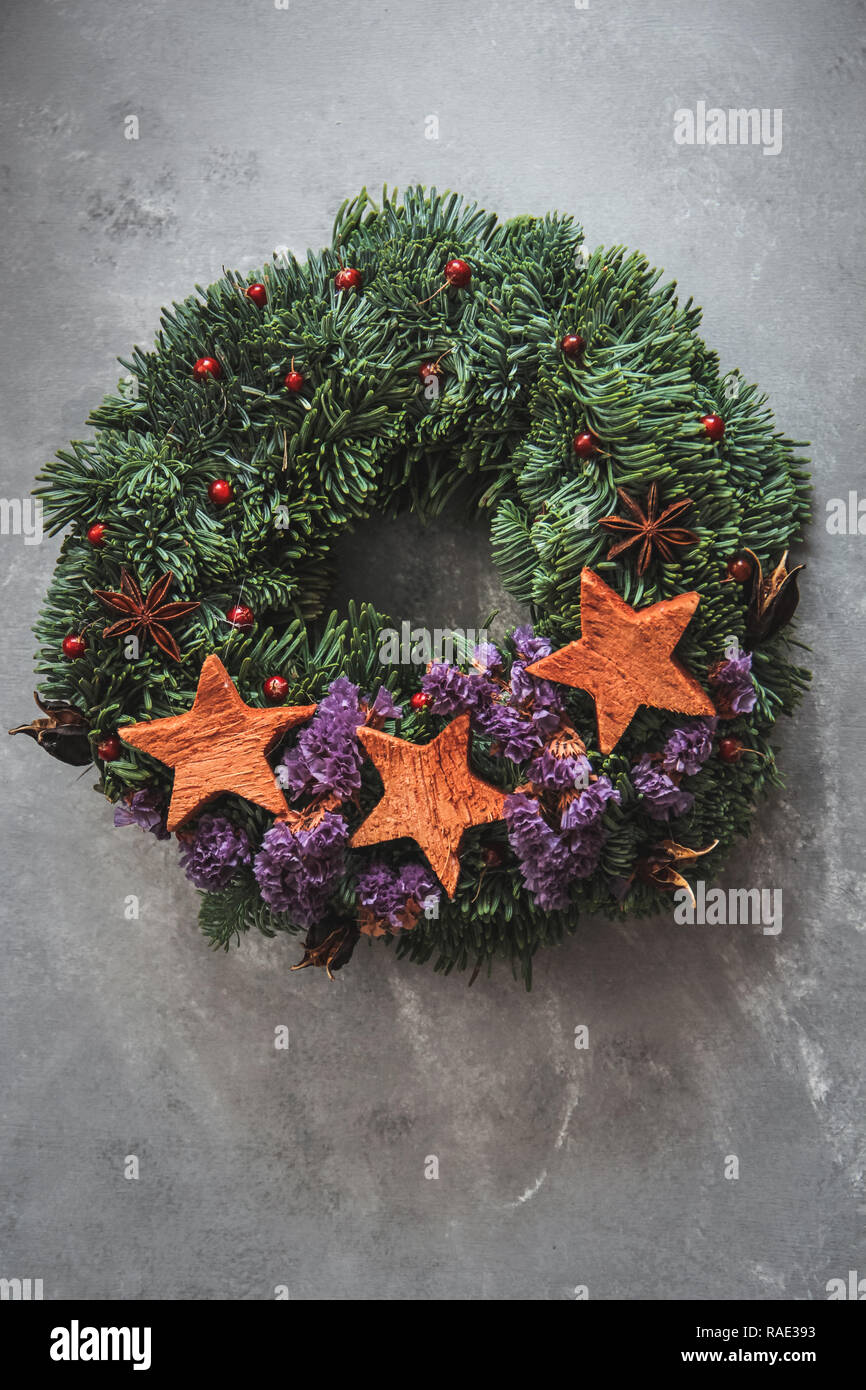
x=462 y=809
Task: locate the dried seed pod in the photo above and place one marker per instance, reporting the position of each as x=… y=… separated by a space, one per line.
x=63 y=732
x=329 y=945
x=772 y=600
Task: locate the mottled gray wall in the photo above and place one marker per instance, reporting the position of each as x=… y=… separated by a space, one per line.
x=558 y=1167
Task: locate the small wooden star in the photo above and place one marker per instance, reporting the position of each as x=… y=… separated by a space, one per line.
x=652 y=531
x=218 y=746
x=624 y=658
x=432 y=796
x=145 y=616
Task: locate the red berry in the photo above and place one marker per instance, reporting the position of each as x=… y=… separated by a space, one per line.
x=258 y=294
x=241 y=617
x=731 y=749
x=109 y=749
x=572 y=344
x=714 y=427
x=220 y=492
x=205 y=367
x=428 y=369
x=585 y=445
x=348 y=278
x=96 y=534
x=420 y=699
x=293 y=381
x=740 y=570
x=275 y=688
x=492 y=856
x=73 y=646
x=458 y=273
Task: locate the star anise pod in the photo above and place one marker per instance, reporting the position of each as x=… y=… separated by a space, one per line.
x=651 y=530
x=772 y=601
x=329 y=945
x=145 y=616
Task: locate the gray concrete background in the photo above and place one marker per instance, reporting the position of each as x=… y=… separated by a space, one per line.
x=558 y=1167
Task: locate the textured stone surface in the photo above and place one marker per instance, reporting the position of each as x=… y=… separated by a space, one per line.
x=557 y=1167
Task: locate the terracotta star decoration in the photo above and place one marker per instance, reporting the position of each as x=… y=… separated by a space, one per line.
x=624 y=658
x=145 y=616
x=218 y=746
x=652 y=530
x=431 y=796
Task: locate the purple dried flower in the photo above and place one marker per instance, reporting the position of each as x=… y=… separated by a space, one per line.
x=386 y=891
x=213 y=854
x=297 y=871
x=487 y=658
x=375 y=887
x=587 y=808
x=453 y=691
x=529 y=647
x=733 y=686
x=559 y=774
x=547 y=706
x=688 y=748
x=663 y=797
x=515 y=734
x=341 y=699
x=146 y=809
x=551 y=860
x=327 y=758
x=543 y=854
x=582 y=825
x=383 y=706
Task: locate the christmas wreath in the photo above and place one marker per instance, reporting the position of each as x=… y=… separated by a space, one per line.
x=460 y=805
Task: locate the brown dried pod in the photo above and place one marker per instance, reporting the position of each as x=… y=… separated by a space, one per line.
x=63 y=732
x=329 y=945
x=658 y=866
x=772 y=600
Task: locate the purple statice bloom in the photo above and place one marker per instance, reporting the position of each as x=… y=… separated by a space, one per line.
x=145 y=809
x=453 y=691
x=543 y=854
x=547 y=706
x=587 y=808
x=297 y=871
x=733 y=686
x=688 y=748
x=582 y=825
x=383 y=706
x=662 y=796
x=487 y=658
x=327 y=757
x=514 y=733
x=416 y=881
x=385 y=891
x=529 y=647
x=585 y=844
x=559 y=774
x=215 y=852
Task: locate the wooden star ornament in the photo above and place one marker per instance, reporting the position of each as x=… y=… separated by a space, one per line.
x=218 y=746
x=432 y=796
x=624 y=658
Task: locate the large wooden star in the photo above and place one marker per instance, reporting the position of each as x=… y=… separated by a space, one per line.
x=431 y=795
x=218 y=746
x=625 y=658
